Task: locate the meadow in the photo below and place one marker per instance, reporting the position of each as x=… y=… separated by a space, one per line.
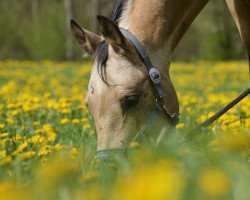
x=48 y=139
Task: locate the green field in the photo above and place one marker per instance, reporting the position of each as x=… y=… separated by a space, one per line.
x=47 y=138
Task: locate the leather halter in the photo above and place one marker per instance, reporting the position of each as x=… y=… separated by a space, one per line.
x=160 y=95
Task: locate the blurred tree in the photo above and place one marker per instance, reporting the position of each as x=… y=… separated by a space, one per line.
x=36 y=30
x=95 y=11
x=100 y=7
x=69 y=42
x=212 y=36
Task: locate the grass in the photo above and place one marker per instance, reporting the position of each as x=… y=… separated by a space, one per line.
x=47 y=138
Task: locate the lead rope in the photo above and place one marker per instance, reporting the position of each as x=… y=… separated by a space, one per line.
x=212 y=119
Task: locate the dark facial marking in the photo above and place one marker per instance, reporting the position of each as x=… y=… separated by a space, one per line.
x=92 y=90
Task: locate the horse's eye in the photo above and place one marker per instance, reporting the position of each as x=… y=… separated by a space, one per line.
x=130 y=101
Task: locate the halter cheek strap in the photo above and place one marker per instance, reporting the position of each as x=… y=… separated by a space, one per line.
x=155 y=78
x=152 y=72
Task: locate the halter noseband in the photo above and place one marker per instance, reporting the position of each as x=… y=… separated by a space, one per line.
x=160 y=94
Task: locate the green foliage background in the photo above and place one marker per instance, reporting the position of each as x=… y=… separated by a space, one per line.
x=36 y=33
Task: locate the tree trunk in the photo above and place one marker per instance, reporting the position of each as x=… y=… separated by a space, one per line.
x=69 y=42
x=34 y=8
x=95 y=12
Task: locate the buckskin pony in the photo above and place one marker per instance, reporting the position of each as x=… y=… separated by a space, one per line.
x=124 y=88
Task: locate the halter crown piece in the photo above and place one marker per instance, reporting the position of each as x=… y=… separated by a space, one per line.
x=154 y=76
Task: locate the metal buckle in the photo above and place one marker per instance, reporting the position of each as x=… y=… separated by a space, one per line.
x=173 y=118
x=155 y=75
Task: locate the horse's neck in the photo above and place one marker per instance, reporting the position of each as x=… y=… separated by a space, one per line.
x=160 y=24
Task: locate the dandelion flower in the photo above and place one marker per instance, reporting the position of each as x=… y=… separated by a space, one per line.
x=27 y=155
x=214 y=182
x=10 y=120
x=87 y=126
x=64 y=121
x=75 y=121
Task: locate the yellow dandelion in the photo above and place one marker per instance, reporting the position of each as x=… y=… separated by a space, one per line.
x=134 y=145
x=3 y=135
x=64 y=121
x=87 y=126
x=15 y=112
x=247 y=122
x=51 y=136
x=2 y=126
x=27 y=155
x=36 y=123
x=236 y=142
x=75 y=121
x=45 y=150
x=27 y=108
x=180 y=125
x=37 y=139
x=214 y=182
x=92 y=132
x=47 y=127
x=2 y=154
x=17 y=137
x=11 y=106
x=6 y=160
x=58 y=147
x=66 y=111
x=165 y=181
x=189 y=110
x=202 y=118
x=74 y=152
x=82 y=107
x=36 y=100
x=85 y=119
x=210 y=114
x=46 y=95
x=39 y=131
x=22 y=146
x=3 y=142
x=235 y=124
x=64 y=105
x=10 y=120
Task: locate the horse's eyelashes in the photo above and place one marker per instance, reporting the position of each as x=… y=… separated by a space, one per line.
x=130 y=101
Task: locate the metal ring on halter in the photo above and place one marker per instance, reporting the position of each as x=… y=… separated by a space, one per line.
x=162 y=102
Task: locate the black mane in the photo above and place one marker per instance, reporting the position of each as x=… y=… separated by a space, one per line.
x=117 y=10
x=102 y=49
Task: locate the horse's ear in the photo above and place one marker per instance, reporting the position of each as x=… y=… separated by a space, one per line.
x=88 y=41
x=112 y=34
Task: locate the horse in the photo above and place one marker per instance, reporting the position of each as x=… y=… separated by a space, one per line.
x=124 y=93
